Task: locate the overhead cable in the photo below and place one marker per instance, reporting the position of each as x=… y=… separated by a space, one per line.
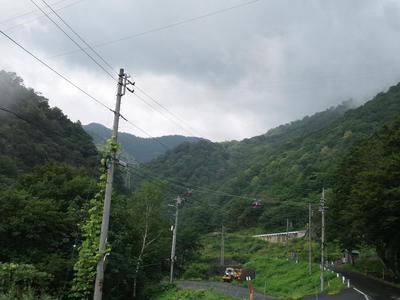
x=55 y=71
x=160 y=112
x=39 y=17
x=167 y=110
x=79 y=36
x=168 y=26
x=75 y=42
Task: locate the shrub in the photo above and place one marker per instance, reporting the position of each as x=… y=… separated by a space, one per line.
x=22 y=277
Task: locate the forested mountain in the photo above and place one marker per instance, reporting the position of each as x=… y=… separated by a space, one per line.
x=32 y=133
x=365 y=205
x=50 y=194
x=51 y=197
x=285 y=168
x=136 y=148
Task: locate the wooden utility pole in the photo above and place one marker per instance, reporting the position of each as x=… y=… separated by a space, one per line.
x=287 y=238
x=98 y=289
x=322 y=210
x=309 y=239
x=222 y=262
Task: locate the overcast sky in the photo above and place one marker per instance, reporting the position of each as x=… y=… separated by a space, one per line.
x=229 y=75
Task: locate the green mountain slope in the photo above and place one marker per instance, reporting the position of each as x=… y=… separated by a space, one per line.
x=32 y=133
x=365 y=208
x=285 y=168
x=137 y=148
x=47 y=165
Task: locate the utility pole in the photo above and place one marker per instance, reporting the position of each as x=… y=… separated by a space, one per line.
x=309 y=238
x=177 y=203
x=222 y=262
x=322 y=210
x=98 y=289
x=287 y=238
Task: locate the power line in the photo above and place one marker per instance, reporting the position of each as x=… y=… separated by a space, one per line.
x=160 y=112
x=39 y=17
x=75 y=42
x=168 y=26
x=79 y=36
x=16 y=115
x=188 y=186
x=166 y=109
x=27 y=13
x=106 y=62
x=76 y=86
x=88 y=45
x=146 y=133
x=98 y=55
x=56 y=72
x=30 y=122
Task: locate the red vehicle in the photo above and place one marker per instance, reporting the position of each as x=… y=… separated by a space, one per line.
x=256 y=204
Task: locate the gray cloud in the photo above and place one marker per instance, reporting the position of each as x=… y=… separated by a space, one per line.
x=231 y=75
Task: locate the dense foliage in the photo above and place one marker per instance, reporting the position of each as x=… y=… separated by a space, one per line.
x=51 y=196
x=366 y=206
x=51 y=203
x=277 y=272
x=32 y=133
x=286 y=168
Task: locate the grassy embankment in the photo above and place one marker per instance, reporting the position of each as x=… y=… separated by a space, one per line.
x=279 y=275
x=175 y=294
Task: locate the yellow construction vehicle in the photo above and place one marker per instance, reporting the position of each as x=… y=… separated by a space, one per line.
x=232 y=274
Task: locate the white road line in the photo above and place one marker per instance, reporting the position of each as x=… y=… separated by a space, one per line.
x=365 y=295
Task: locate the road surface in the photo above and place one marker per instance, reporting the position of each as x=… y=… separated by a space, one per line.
x=221 y=288
x=236 y=291
x=373 y=288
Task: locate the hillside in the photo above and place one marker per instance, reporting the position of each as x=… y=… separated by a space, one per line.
x=32 y=133
x=47 y=167
x=137 y=148
x=50 y=192
x=285 y=168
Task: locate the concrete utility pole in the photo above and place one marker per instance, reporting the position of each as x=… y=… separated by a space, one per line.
x=287 y=238
x=222 y=262
x=309 y=238
x=98 y=289
x=322 y=210
x=177 y=203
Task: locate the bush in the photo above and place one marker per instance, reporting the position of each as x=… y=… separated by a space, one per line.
x=28 y=294
x=197 y=271
x=22 y=277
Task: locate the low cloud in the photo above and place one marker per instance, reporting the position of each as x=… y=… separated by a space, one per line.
x=230 y=76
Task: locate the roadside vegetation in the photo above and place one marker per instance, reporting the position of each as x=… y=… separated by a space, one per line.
x=176 y=294
x=51 y=193
x=277 y=272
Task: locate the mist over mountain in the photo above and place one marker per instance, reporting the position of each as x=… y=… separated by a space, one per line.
x=285 y=168
x=135 y=148
x=49 y=189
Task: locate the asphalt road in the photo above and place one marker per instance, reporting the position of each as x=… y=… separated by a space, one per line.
x=222 y=288
x=236 y=291
x=373 y=288
x=347 y=294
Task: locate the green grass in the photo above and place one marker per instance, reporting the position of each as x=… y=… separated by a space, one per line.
x=288 y=280
x=282 y=277
x=176 y=294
